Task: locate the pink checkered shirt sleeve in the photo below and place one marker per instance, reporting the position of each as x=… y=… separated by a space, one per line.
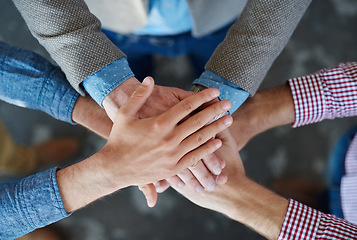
x=303 y=222
x=328 y=94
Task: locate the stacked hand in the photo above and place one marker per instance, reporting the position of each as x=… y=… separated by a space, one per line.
x=142 y=151
x=204 y=175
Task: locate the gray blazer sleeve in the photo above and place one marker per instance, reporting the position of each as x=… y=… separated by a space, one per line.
x=254 y=42
x=72 y=36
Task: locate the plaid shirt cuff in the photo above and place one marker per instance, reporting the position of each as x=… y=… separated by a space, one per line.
x=303 y=222
x=328 y=94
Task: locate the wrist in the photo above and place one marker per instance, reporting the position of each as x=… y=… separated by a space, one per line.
x=116 y=98
x=121 y=93
x=267 y=109
x=88 y=113
x=258 y=208
x=81 y=184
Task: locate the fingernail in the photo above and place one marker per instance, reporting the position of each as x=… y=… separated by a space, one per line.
x=215 y=93
x=217 y=170
x=146 y=82
x=218 y=144
x=211 y=186
x=180 y=184
x=199 y=189
x=150 y=203
x=227 y=121
x=158 y=189
x=226 y=105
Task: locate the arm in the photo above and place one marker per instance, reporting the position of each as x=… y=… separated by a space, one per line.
x=255 y=40
x=72 y=36
x=272 y=216
x=158 y=135
x=165 y=149
x=327 y=94
x=31 y=81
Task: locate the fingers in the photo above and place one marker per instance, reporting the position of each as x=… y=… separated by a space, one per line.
x=191 y=158
x=221 y=179
x=175 y=181
x=150 y=194
x=205 y=134
x=162 y=186
x=213 y=164
x=138 y=98
x=190 y=181
x=203 y=175
x=188 y=105
x=200 y=119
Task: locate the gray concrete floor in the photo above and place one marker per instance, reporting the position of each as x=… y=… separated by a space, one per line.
x=326 y=36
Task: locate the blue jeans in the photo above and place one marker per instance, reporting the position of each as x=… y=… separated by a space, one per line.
x=336 y=170
x=140 y=48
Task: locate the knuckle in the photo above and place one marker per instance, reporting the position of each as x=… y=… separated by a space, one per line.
x=191 y=179
x=199 y=140
x=138 y=93
x=156 y=127
x=194 y=160
x=188 y=105
x=194 y=165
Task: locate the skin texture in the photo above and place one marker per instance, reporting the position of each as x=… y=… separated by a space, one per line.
x=165 y=148
x=266 y=110
x=240 y=198
x=199 y=177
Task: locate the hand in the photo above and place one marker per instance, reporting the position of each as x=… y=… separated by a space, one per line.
x=240 y=198
x=234 y=170
x=140 y=151
x=198 y=177
x=159 y=101
x=267 y=109
x=160 y=138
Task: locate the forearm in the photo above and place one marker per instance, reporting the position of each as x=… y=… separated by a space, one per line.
x=72 y=36
x=88 y=113
x=83 y=183
x=31 y=81
x=257 y=208
x=267 y=109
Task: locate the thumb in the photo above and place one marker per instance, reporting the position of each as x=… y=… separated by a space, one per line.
x=138 y=98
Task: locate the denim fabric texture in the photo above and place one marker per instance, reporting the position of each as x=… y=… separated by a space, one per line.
x=29 y=80
x=30 y=203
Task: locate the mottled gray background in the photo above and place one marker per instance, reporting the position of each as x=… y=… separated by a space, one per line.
x=326 y=36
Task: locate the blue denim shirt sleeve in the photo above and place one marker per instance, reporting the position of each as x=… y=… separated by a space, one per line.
x=229 y=91
x=29 y=80
x=102 y=82
x=30 y=203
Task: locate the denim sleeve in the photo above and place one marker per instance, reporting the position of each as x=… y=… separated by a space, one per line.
x=101 y=83
x=29 y=80
x=30 y=203
x=229 y=91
